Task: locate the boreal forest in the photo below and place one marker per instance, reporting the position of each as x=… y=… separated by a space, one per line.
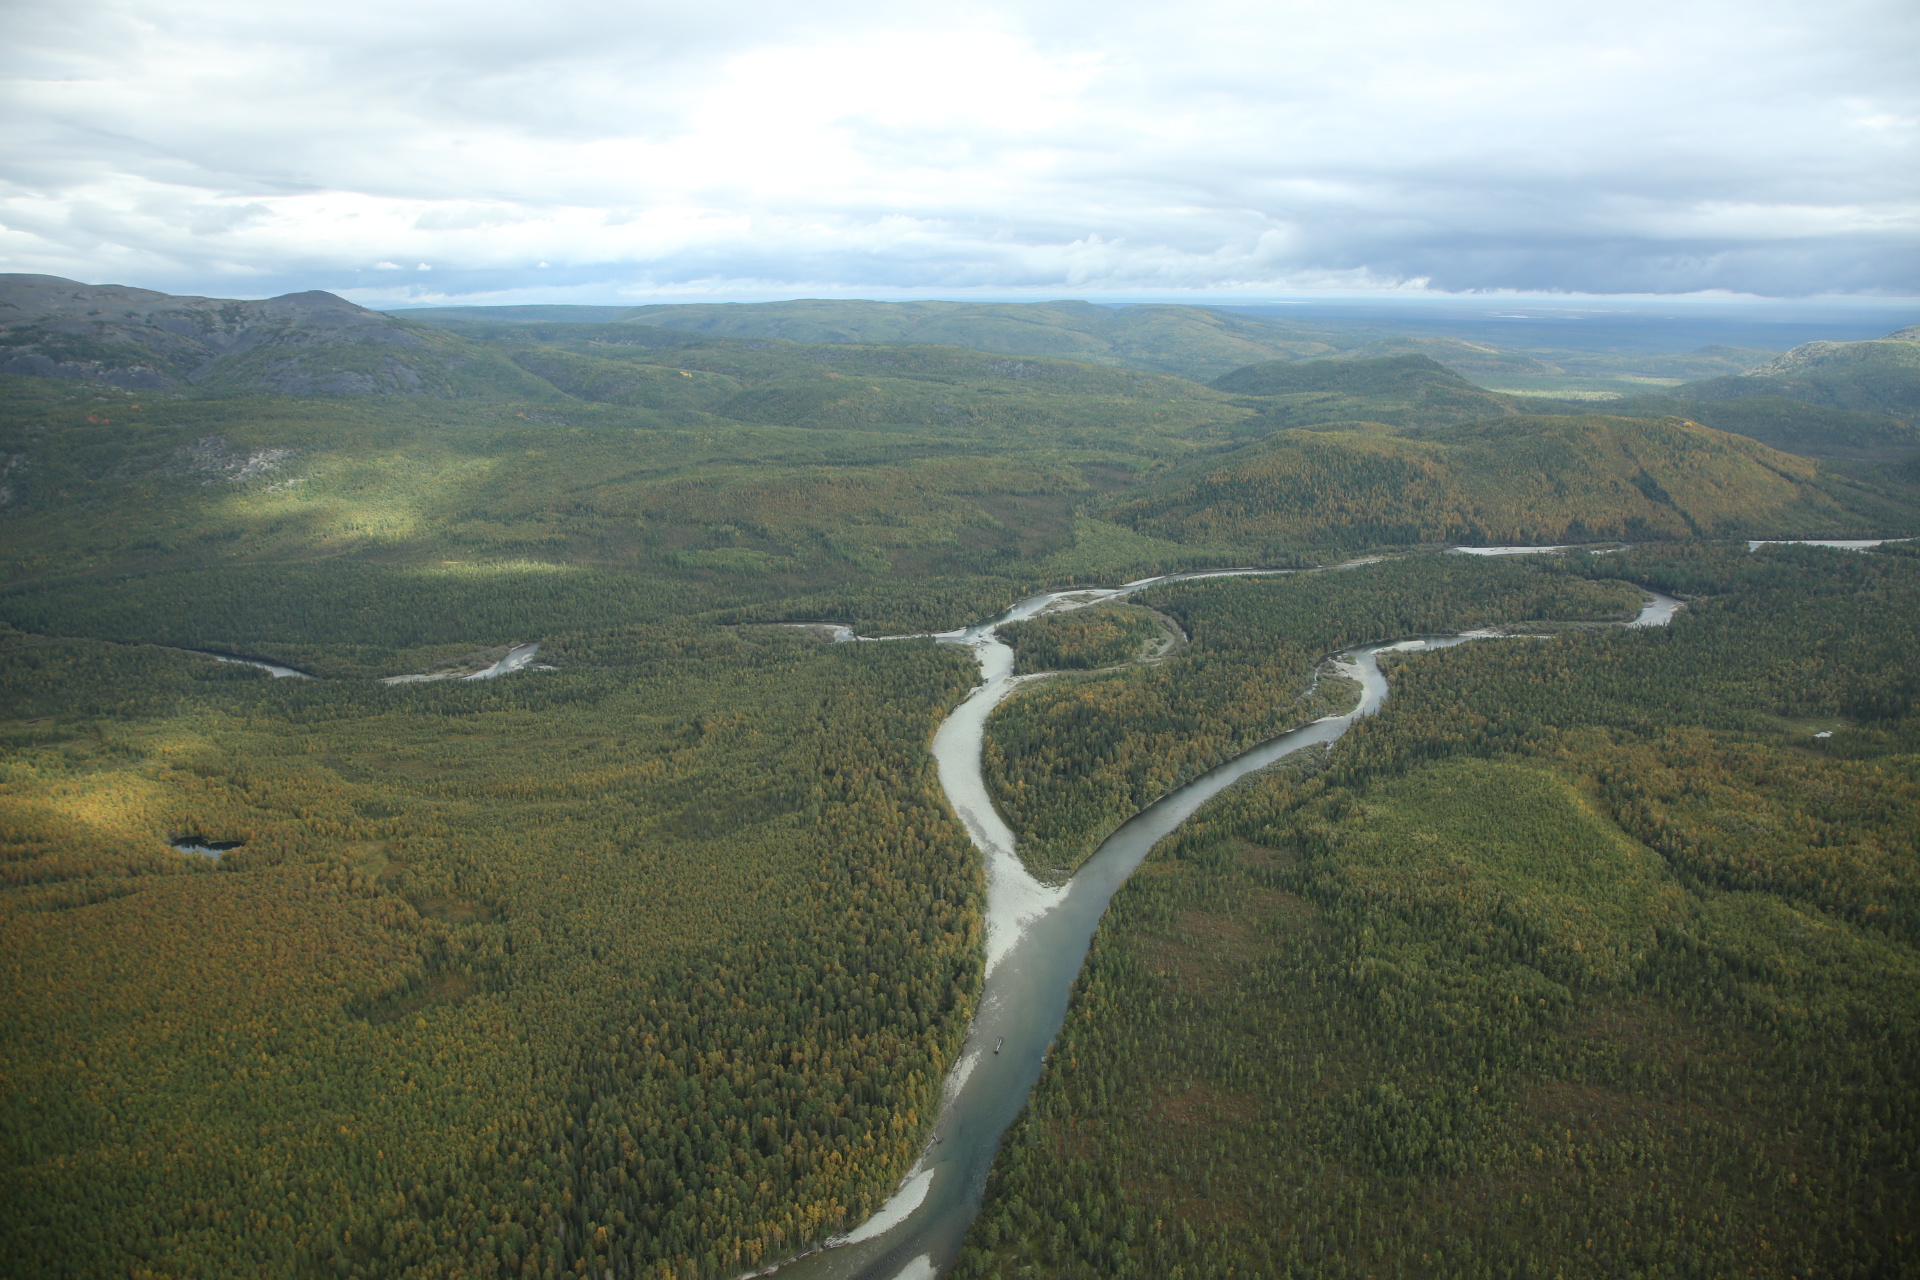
x=469 y=803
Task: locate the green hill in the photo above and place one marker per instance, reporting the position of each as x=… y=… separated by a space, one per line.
x=1405 y=376
x=1472 y=359
x=1403 y=391
x=1191 y=342
x=1844 y=400
x=651 y=960
x=1792 y=426
x=297 y=344
x=1600 y=375
x=1521 y=479
x=1878 y=376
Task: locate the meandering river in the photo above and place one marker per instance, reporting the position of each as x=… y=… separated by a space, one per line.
x=1037 y=938
x=1037 y=933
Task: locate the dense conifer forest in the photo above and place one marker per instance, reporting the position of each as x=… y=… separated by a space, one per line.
x=650 y=958
x=1586 y=957
x=654 y=960
x=1069 y=761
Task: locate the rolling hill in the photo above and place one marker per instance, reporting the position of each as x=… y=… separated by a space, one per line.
x=1791 y=426
x=1189 y=342
x=1877 y=376
x=1842 y=400
x=297 y=344
x=1520 y=479
x=650 y=960
x=1403 y=390
x=1193 y=342
x=1473 y=359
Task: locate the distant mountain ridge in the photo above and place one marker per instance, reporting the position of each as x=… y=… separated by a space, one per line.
x=1525 y=479
x=1185 y=341
x=295 y=344
x=763 y=362
x=1880 y=375
x=1410 y=391
x=1475 y=359
x=1196 y=342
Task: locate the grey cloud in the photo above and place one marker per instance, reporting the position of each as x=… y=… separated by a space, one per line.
x=1754 y=147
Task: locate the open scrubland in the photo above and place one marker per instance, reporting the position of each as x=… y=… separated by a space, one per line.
x=652 y=961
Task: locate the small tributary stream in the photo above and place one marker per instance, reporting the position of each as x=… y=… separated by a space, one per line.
x=1037 y=938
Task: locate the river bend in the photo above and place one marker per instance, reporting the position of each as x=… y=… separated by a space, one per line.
x=1037 y=939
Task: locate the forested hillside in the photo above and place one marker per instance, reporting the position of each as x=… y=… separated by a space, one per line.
x=1190 y=342
x=650 y=957
x=1524 y=479
x=1586 y=957
x=1069 y=761
x=1792 y=426
x=1404 y=391
x=1881 y=376
x=1858 y=400
x=196 y=522
x=656 y=960
x=298 y=344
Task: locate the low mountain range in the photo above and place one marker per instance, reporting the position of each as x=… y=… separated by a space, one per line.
x=1188 y=342
x=1878 y=376
x=1518 y=479
x=297 y=344
x=316 y=343
x=1857 y=400
x=651 y=959
x=1376 y=444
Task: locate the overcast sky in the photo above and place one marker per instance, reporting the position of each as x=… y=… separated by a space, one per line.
x=573 y=150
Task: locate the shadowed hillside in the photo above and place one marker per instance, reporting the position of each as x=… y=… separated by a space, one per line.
x=299 y=344
x=1850 y=400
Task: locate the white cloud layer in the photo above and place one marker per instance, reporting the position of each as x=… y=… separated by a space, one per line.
x=594 y=151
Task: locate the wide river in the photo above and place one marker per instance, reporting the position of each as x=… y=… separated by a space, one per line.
x=1037 y=938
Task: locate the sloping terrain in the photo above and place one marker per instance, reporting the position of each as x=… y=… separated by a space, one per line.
x=651 y=961
x=298 y=344
x=1193 y=342
x=1404 y=376
x=1878 y=376
x=1404 y=391
x=1521 y=479
x=1190 y=342
x=1843 y=400
x=1474 y=359
x=1792 y=426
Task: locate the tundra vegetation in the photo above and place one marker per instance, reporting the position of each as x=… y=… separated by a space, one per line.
x=652 y=962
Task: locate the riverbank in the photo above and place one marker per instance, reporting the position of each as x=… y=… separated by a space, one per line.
x=1037 y=935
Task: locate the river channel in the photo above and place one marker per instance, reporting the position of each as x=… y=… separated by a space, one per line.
x=1037 y=938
